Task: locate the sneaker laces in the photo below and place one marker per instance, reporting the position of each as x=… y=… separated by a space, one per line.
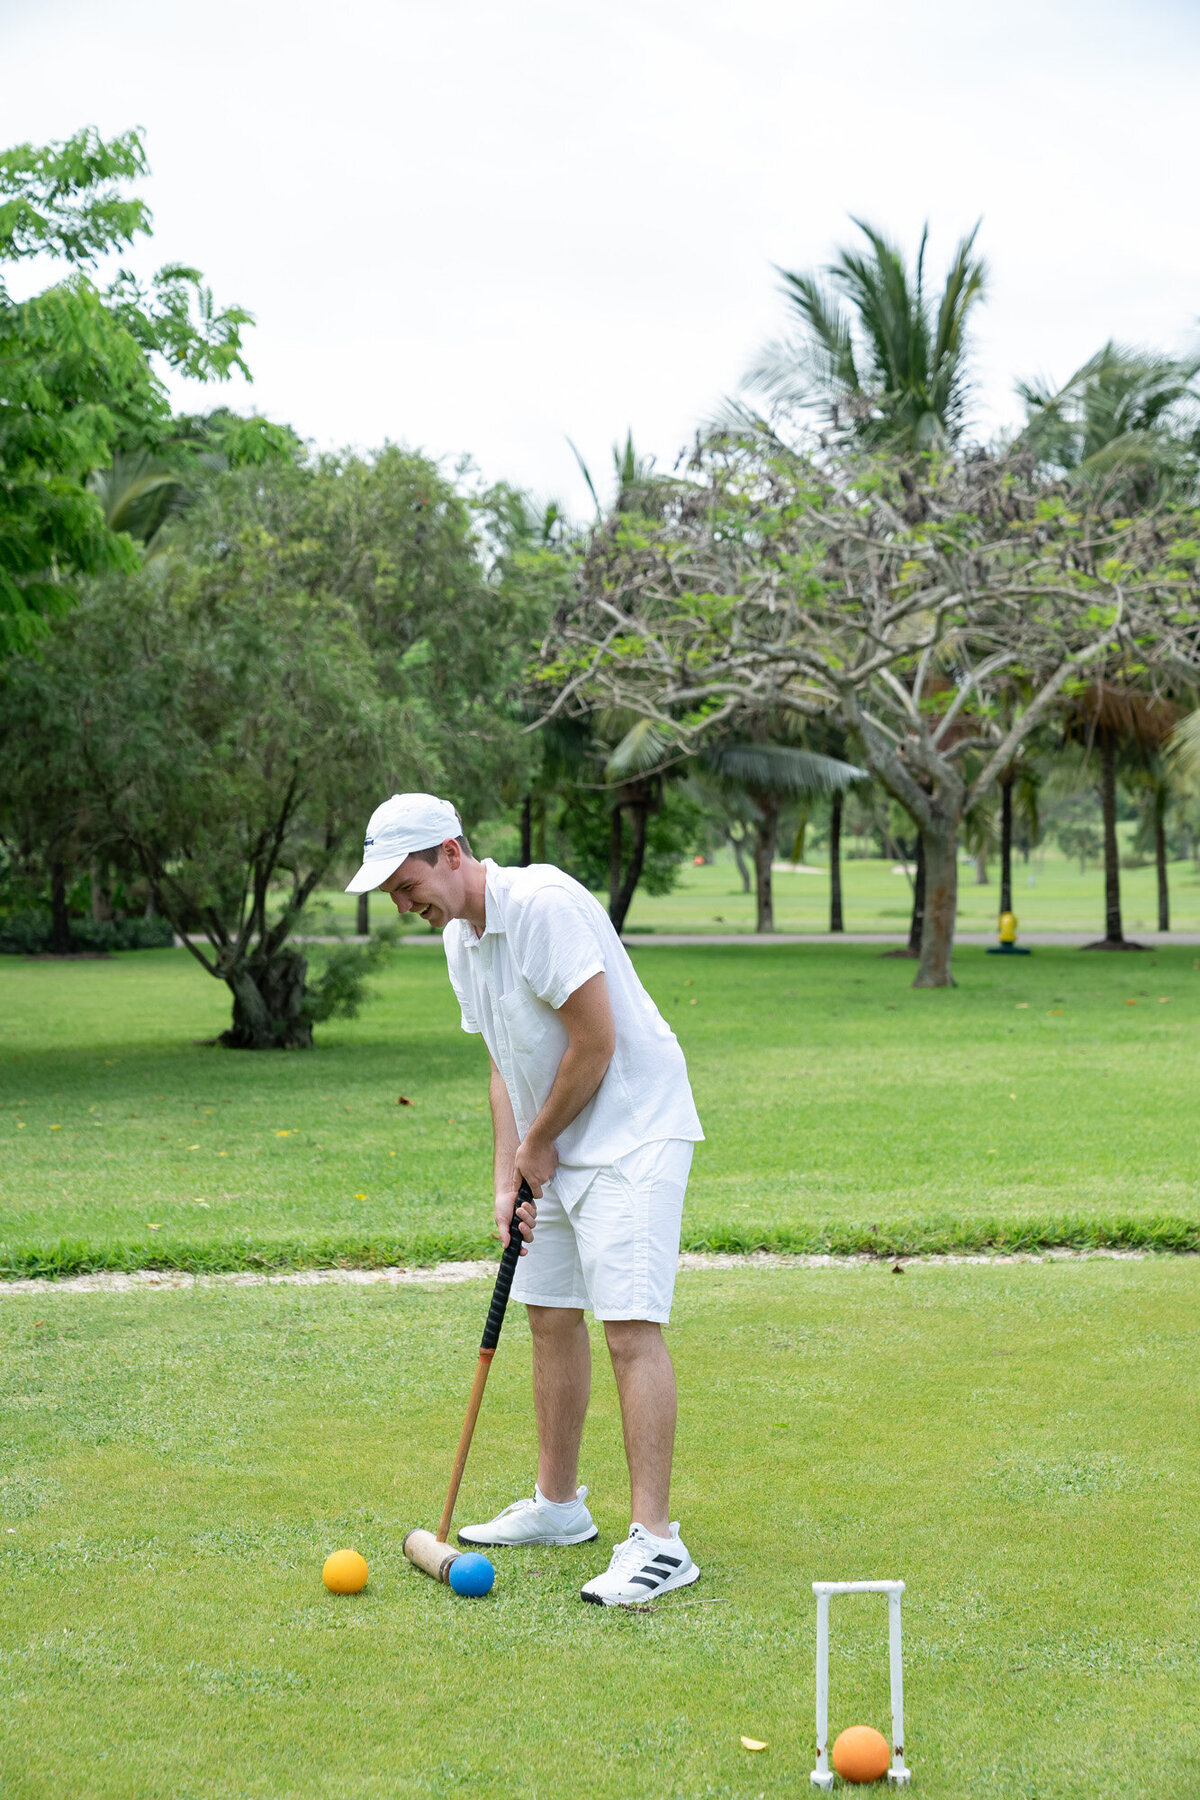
x=516 y=1507
x=629 y=1556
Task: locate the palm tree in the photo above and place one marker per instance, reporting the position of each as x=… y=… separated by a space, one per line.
x=1019 y=787
x=769 y=774
x=138 y=493
x=633 y=476
x=880 y=356
x=1122 y=724
x=1128 y=417
x=1152 y=778
x=637 y=765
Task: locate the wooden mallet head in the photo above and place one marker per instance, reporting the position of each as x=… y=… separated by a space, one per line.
x=423 y=1549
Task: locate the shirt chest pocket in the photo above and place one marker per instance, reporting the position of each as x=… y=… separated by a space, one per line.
x=536 y=1035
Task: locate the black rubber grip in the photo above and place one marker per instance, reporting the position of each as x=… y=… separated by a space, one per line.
x=504 y=1279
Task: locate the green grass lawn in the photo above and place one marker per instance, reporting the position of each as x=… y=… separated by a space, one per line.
x=1049 y=894
x=1019 y=1442
x=1050 y=1100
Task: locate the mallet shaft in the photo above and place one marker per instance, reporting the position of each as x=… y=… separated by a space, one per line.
x=491 y=1337
x=464 y=1443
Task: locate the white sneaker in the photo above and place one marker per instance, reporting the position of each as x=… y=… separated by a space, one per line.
x=536 y=1521
x=642 y=1568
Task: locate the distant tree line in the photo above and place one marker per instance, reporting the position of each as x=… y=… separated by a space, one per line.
x=837 y=620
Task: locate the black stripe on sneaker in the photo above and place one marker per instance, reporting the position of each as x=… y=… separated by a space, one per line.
x=673 y=1561
x=655 y=1580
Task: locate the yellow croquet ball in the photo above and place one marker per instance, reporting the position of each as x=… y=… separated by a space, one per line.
x=345 y=1572
x=861 y=1754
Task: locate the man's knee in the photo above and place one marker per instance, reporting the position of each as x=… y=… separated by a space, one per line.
x=630 y=1339
x=547 y=1322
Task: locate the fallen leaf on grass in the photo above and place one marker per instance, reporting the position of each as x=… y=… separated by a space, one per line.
x=1131 y=1003
x=403 y=1100
x=193 y=1146
x=752 y=1744
x=153 y=1227
x=1164 y=999
x=360 y=1196
x=1022 y=1006
x=284 y=1134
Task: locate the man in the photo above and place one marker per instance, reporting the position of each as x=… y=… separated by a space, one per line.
x=591 y=1105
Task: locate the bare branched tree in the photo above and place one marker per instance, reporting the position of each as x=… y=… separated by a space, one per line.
x=898 y=601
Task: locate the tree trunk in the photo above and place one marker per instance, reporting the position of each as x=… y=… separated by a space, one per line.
x=60 y=925
x=835 y=864
x=1114 y=938
x=639 y=812
x=527 y=831
x=1006 y=822
x=916 y=926
x=615 y=859
x=102 y=911
x=268 y=1004
x=743 y=866
x=940 y=900
x=1113 y=933
x=1160 y=857
x=362 y=922
x=539 y=830
x=766 y=831
x=981 y=870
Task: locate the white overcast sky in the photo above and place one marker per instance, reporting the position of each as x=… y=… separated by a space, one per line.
x=488 y=225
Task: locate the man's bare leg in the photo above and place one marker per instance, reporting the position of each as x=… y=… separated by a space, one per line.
x=646 y=1385
x=562 y=1382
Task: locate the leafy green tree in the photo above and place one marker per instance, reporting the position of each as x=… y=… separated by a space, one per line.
x=452 y=591
x=142 y=490
x=873 y=350
x=667 y=823
x=81 y=366
x=222 y=719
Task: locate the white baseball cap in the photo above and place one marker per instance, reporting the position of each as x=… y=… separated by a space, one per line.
x=404 y=823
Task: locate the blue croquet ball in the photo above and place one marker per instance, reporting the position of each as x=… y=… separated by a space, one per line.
x=472 y=1575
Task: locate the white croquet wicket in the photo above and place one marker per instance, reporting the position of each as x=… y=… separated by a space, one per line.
x=822 y=1775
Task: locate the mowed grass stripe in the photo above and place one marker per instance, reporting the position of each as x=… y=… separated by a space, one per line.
x=1020 y=1443
x=844 y=1112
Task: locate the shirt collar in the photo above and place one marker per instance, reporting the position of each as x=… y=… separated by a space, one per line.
x=493 y=923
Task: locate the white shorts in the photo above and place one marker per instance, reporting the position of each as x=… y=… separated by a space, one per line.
x=616 y=1248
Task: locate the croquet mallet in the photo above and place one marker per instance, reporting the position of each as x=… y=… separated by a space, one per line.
x=434 y=1554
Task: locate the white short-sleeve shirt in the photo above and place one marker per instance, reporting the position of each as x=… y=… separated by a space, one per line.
x=544 y=936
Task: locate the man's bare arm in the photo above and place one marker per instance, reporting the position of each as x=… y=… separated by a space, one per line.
x=506 y=1181
x=591 y=1040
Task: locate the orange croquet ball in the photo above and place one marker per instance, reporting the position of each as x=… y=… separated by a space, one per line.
x=345 y=1572
x=861 y=1753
